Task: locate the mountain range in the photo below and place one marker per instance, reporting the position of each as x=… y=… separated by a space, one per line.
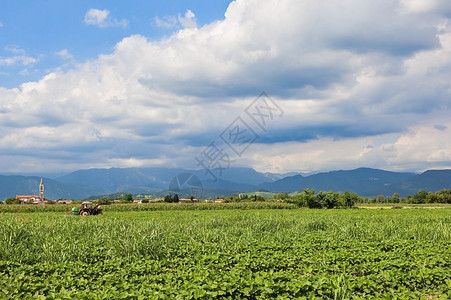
x=84 y=183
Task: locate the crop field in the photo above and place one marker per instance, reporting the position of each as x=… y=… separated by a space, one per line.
x=229 y=254
x=18 y=208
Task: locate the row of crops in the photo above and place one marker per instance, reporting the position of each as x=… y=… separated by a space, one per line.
x=233 y=254
x=29 y=208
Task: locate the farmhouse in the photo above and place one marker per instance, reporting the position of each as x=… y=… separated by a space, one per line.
x=28 y=198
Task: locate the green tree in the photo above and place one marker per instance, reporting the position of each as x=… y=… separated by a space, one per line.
x=281 y=196
x=299 y=200
x=127 y=198
x=176 y=198
x=433 y=198
x=257 y=198
x=420 y=197
x=168 y=198
x=331 y=199
x=321 y=200
x=395 y=198
x=12 y=201
x=350 y=198
x=380 y=199
x=310 y=199
x=443 y=196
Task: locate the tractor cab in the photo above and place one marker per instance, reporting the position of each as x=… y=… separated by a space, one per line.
x=86 y=204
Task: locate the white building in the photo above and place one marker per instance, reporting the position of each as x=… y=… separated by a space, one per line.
x=33 y=198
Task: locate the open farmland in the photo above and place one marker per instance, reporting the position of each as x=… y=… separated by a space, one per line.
x=253 y=254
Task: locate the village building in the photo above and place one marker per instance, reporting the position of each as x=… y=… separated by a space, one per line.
x=187 y=200
x=28 y=198
x=35 y=199
x=64 y=201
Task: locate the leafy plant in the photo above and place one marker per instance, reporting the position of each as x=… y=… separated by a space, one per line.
x=226 y=253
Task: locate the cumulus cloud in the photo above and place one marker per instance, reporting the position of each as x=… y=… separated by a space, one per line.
x=64 y=54
x=17 y=60
x=416 y=149
x=359 y=81
x=166 y=22
x=102 y=18
x=432 y=6
x=14 y=49
x=188 y=20
x=19 y=57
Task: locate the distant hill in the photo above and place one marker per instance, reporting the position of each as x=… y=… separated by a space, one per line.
x=107 y=181
x=227 y=185
x=431 y=181
x=84 y=183
x=146 y=180
x=363 y=181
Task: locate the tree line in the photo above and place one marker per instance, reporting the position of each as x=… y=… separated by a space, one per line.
x=421 y=197
x=307 y=198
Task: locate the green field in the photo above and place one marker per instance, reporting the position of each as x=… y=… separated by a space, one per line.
x=233 y=254
x=20 y=208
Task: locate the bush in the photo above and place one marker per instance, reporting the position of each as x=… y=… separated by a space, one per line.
x=12 y=201
x=350 y=199
x=171 y=199
x=127 y=198
x=324 y=199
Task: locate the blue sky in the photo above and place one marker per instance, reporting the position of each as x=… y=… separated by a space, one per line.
x=41 y=29
x=87 y=84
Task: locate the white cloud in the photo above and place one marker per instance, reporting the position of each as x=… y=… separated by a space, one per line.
x=1 y=24
x=360 y=81
x=96 y=16
x=417 y=149
x=18 y=59
x=188 y=20
x=64 y=54
x=166 y=22
x=14 y=49
x=102 y=18
x=430 y=6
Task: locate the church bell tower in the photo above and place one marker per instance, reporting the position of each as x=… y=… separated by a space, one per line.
x=41 y=190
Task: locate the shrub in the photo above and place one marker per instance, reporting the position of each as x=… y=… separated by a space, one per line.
x=12 y=201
